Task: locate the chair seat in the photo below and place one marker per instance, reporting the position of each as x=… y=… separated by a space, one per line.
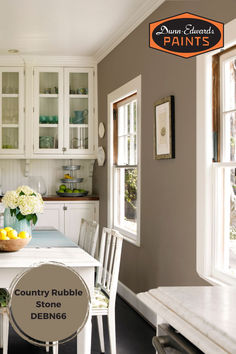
x=4 y=298
x=100 y=300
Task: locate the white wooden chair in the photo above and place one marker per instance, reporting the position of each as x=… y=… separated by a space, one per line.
x=105 y=290
x=103 y=303
x=88 y=236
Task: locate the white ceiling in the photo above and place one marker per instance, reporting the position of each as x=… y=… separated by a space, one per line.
x=69 y=27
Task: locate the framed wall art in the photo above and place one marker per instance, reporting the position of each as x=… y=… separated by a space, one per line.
x=164 y=128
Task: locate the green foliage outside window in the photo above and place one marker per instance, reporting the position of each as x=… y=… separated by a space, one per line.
x=131 y=187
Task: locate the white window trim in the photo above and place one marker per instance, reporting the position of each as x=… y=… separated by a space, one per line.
x=131 y=87
x=205 y=170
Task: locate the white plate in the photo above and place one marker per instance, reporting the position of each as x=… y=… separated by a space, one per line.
x=101 y=130
x=101 y=156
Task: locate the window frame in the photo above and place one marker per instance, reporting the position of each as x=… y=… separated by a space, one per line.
x=128 y=89
x=206 y=169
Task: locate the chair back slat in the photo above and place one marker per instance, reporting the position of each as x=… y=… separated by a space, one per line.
x=88 y=236
x=109 y=257
x=101 y=257
x=110 y=269
x=106 y=260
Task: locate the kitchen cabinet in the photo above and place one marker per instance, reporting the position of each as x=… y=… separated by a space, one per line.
x=53 y=216
x=12 y=111
x=63 y=111
x=48 y=108
x=66 y=216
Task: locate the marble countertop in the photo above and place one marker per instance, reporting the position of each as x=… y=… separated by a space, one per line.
x=210 y=310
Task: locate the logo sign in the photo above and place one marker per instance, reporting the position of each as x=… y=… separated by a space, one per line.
x=186 y=35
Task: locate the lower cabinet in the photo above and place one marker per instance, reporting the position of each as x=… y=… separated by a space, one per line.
x=53 y=216
x=66 y=217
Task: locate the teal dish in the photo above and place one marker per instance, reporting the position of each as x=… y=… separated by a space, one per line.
x=46 y=142
x=80 y=116
x=76 y=120
x=50 y=120
x=55 y=119
x=43 y=119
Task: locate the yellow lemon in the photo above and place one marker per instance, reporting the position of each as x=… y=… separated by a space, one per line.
x=4 y=237
x=3 y=232
x=23 y=234
x=8 y=228
x=12 y=234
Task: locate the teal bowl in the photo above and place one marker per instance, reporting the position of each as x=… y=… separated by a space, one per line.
x=43 y=119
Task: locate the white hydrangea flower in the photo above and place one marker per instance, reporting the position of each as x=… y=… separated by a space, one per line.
x=29 y=204
x=25 y=189
x=10 y=200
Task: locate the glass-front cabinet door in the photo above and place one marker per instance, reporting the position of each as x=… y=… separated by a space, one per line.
x=48 y=110
x=78 y=119
x=12 y=111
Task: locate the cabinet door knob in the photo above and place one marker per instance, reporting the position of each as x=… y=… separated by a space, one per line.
x=64 y=149
x=65 y=208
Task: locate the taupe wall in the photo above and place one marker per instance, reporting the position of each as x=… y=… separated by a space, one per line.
x=167 y=255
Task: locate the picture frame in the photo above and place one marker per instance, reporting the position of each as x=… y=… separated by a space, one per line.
x=164 y=128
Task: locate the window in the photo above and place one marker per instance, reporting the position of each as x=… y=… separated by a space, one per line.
x=216 y=162
x=124 y=160
x=125 y=164
x=224 y=172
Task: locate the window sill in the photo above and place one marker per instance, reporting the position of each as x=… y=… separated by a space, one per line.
x=128 y=236
x=228 y=281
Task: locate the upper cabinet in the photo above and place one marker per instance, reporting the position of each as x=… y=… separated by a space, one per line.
x=63 y=112
x=11 y=111
x=48 y=111
x=78 y=113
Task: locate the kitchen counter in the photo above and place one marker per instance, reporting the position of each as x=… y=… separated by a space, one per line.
x=56 y=198
x=204 y=315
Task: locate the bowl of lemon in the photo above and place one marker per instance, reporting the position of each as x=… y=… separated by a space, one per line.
x=11 y=241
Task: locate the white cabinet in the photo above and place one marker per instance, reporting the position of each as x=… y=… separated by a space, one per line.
x=48 y=108
x=79 y=111
x=11 y=111
x=63 y=112
x=66 y=217
x=48 y=111
x=73 y=214
x=53 y=216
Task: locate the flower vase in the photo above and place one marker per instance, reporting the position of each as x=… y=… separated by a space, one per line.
x=18 y=225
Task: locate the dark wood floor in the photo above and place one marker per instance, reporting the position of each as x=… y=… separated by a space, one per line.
x=134 y=336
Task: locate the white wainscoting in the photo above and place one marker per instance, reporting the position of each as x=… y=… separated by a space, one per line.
x=12 y=173
x=134 y=301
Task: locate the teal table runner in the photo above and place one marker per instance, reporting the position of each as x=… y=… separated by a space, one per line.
x=49 y=238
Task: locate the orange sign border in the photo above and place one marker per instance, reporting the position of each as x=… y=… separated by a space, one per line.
x=153 y=25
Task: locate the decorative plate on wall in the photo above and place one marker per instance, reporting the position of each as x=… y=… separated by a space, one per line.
x=101 y=130
x=101 y=156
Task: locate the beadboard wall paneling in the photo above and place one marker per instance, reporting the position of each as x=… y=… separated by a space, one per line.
x=12 y=173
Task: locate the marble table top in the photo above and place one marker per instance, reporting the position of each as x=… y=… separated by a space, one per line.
x=210 y=310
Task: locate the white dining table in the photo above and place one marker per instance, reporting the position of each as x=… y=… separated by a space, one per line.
x=13 y=263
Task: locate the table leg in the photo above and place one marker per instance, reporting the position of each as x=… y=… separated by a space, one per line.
x=84 y=338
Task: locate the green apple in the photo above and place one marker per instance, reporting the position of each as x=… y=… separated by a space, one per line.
x=75 y=191
x=62 y=187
